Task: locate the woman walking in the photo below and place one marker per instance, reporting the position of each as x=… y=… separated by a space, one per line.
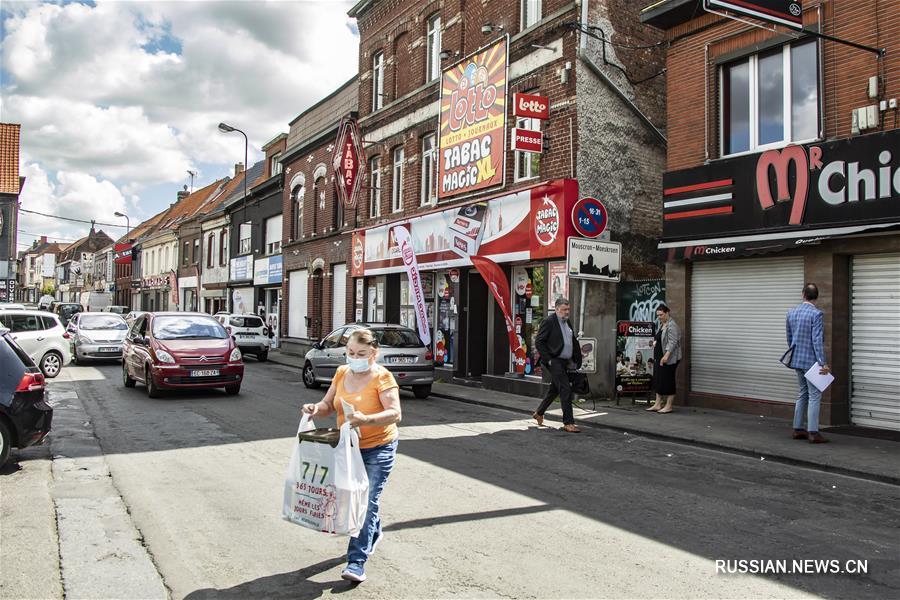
x=666 y=354
x=373 y=392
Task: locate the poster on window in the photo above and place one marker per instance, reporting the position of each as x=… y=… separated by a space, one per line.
x=634 y=357
x=473 y=122
x=559 y=282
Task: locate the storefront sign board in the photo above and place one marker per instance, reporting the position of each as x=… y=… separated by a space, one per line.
x=782 y=12
x=526 y=140
x=347 y=160
x=634 y=357
x=239 y=268
x=473 y=122
x=122 y=254
x=531 y=106
x=268 y=270
x=594 y=259
x=589 y=217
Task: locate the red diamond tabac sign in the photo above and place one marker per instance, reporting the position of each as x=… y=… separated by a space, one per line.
x=348 y=162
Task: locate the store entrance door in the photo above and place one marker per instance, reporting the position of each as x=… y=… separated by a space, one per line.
x=476 y=335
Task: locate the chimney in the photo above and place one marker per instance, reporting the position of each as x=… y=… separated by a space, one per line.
x=43 y=239
x=182 y=194
x=238 y=169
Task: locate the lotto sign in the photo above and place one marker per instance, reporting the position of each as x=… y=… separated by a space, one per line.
x=347 y=161
x=473 y=122
x=783 y=12
x=526 y=140
x=589 y=217
x=531 y=106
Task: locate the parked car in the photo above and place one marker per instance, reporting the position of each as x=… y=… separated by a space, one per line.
x=97 y=335
x=399 y=350
x=65 y=310
x=172 y=350
x=45 y=302
x=251 y=334
x=42 y=336
x=94 y=301
x=118 y=309
x=11 y=306
x=24 y=416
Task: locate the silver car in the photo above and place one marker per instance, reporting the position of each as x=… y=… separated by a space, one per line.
x=97 y=335
x=399 y=350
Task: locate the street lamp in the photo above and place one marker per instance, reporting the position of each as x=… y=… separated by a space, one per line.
x=225 y=128
x=127 y=221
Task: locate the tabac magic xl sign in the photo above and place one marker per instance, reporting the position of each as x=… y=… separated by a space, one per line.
x=473 y=122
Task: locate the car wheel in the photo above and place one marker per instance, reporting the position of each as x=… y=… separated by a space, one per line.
x=5 y=443
x=152 y=390
x=309 y=377
x=263 y=356
x=126 y=379
x=51 y=364
x=421 y=391
x=233 y=390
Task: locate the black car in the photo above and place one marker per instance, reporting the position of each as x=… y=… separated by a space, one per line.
x=66 y=310
x=24 y=416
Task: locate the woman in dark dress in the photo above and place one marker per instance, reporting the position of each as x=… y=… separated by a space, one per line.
x=666 y=354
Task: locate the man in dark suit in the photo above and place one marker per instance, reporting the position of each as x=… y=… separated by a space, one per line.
x=560 y=351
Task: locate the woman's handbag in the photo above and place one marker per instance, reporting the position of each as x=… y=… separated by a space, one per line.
x=579 y=383
x=326 y=487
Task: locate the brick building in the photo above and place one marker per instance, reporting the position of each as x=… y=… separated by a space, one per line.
x=783 y=168
x=599 y=71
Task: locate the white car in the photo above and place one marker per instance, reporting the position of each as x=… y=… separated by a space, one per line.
x=11 y=306
x=250 y=333
x=42 y=335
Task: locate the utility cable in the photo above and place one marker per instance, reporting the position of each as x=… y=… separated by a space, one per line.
x=34 y=212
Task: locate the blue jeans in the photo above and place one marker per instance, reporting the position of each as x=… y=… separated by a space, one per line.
x=806 y=410
x=379 y=462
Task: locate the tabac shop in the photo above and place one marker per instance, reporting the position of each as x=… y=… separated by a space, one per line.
x=743 y=235
x=523 y=231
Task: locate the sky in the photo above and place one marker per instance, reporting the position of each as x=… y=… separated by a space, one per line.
x=118 y=100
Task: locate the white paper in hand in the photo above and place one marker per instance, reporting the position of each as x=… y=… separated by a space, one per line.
x=817 y=379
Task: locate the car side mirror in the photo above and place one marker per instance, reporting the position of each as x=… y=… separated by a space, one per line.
x=70 y=328
x=317 y=345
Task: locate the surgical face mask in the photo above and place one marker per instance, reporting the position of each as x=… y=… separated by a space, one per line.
x=359 y=365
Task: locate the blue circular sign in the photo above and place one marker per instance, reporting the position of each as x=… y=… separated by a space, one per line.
x=589 y=217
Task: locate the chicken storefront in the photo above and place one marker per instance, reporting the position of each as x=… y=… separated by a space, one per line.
x=523 y=231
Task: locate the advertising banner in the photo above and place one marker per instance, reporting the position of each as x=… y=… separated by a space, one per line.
x=496 y=281
x=634 y=357
x=531 y=106
x=473 y=122
x=267 y=270
x=408 y=255
x=358 y=254
x=783 y=12
x=240 y=268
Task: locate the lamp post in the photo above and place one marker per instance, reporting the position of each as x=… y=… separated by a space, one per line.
x=225 y=128
x=127 y=221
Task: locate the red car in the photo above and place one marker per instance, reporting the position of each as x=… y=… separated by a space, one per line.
x=176 y=350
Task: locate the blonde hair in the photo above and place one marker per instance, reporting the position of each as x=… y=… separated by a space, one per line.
x=364 y=336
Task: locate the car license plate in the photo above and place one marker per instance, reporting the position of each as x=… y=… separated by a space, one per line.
x=110 y=349
x=400 y=360
x=205 y=373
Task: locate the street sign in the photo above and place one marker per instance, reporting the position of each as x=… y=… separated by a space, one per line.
x=594 y=259
x=589 y=217
x=531 y=106
x=783 y=12
x=526 y=140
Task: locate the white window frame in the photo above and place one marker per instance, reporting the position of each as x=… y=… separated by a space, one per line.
x=245 y=243
x=533 y=16
x=753 y=82
x=375 y=187
x=377 y=81
x=528 y=157
x=433 y=48
x=429 y=171
x=275 y=165
x=397 y=179
x=273 y=246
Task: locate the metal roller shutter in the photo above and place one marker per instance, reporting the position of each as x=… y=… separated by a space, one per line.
x=875 y=342
x=737 y=327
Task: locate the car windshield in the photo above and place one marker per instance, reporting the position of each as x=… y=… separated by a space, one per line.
x=397 y=338
x=102 y=322
x=246 y=322
x=121 y=310
x=188 y=328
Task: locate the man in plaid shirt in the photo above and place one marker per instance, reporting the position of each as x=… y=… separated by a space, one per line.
x=806 y=335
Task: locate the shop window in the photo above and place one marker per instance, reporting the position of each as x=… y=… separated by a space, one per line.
x=429 y=168
x=433 y=45
x=531 y=12
x=770 y=99
x=377 y=81
x=375 y=187
x=529 y=297
x=528 y=164
x=446 y=297
x=397 y=182
x=244 y=233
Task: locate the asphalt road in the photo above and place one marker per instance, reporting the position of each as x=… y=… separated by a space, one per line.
x=481 y=504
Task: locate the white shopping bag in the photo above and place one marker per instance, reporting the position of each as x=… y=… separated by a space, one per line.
x=326 y=488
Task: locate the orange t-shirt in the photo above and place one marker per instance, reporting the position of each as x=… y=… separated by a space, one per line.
x=366 y=401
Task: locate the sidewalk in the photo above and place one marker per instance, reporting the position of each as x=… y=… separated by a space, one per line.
x=749 y=435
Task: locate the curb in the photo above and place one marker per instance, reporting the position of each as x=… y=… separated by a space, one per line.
x=745 y=452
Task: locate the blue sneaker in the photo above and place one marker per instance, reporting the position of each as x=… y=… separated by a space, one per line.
x=354 y=572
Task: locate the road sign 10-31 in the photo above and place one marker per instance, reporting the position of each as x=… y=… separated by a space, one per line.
x=589 y=217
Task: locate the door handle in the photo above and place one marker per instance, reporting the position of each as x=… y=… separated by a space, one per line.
x=40 y=339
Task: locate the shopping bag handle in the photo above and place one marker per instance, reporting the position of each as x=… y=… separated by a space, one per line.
x=305 y=423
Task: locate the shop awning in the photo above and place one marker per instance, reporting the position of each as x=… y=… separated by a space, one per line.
x=763 y=243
